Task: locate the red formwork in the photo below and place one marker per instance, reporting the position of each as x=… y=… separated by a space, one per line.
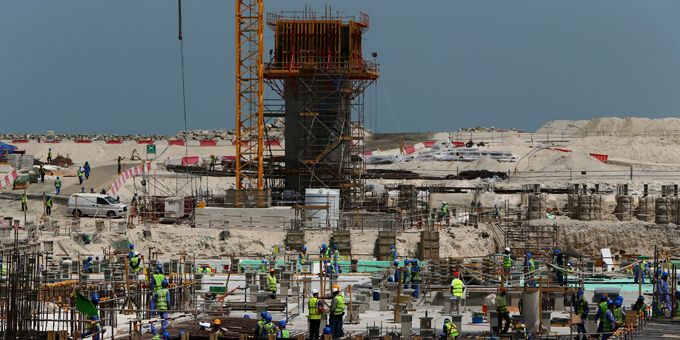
x=600 y=157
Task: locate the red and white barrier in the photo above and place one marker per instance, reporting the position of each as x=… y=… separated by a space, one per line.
x=7 y=180
x=128 y=174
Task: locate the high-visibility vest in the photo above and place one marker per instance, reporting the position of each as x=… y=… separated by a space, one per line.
x=336 y=255
x=457 y=287
x=340 y=305
x=269 y=328
x=618 y=314
x=415 y=273
x=450 y=329
x=259 y=330
x=326 y=253
x=603 y=310
x=405 y=275
x=161 y=299
x=507 y=261
x=24 y=199
x=393 y=255
x=57 y=183
x=314 y=309
x=271 y=283
x=156 y=337
x=501 y=304
x=158 y=281
x=608 y=325
x=49 y=202
x=284 y=334
x=581 y=307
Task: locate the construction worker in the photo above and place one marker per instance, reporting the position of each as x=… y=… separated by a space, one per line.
x=48 y=205
x=158 y=277
x=676 y=308
x=530 y=268
x=303 y=258
x=259 y=327
x=638 y=273
x=325 y=253
x=663 y=291
x=406 y=273
x=445 y=212
x=602 y=309
x=336 y=259
x=135 y=262
x=640 y=306
x=619 y=311
x=268 y=327
x=41 y=173
x=24 y=202
x=415 y=278
x=337 y=312
x=86 y=170
x=283 y=333
x=57 y=185
x=92 y=328
x=581 y=309
x=502 y=311
x=94 y=298
x=204 y=269
x=271 y=283
x=558 y=263
x=314 y=306
x=49 y=156
x=81 y=175
x=120 y=165
x=88 y=265
x=393 y=253
x=457 y=290
x=610 y=324
x=507 y=265
x=263 y=266
x=160 y=302
x=213 y=160
x=216 y=327
x=450 y=330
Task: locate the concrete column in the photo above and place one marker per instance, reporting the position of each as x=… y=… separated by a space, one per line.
x=252 y=288
x=406 y=325
x=530 y=310
x=559 y=302
x=545 y=319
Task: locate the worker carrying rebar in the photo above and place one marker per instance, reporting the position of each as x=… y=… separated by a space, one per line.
x=88 y=265
x=24 y=202
x=337 y=312
x=507 y=265
x=610 y=324
x=502 y=311
x=160 y=302
x=158 y=277
x=581 y=309
x=271 y=283
x=415 y=278
x=315 y=307
x=457 y=290
x=450 y=331
x=48 y=205
x=57 y=185
x=336 y=259
x=602 y=309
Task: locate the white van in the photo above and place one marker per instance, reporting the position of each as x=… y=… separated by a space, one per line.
x=95 y=205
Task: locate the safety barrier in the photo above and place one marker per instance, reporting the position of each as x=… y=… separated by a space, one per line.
x=127 y=174
x=600 y=157
x=208 y=142
x=8 y=179
x=176 y=142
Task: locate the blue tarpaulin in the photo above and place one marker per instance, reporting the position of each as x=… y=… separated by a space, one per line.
x=6 y=148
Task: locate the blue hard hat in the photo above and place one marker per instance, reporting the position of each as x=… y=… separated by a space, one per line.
x=414 y=261
x=390 y=278
x=323 y=245
x=529 y=255
x=131 y=246
x=391 y=246
x=603 y=297
x=159 y=267
x=89 y=258
x=94 y=297
x=610 y=302
x=246 y=316
x=335 y=246
x=268 y=318
x=263 y=314
x=165 y=282
x=395 y=263
x=407 y=262
x=327 y=330
x=282 y=323
x=641 y=298
x=304 y=248
x=94 y=317
x=264 y=261
x=664 y=275
x=579 y=292
x=556 y=251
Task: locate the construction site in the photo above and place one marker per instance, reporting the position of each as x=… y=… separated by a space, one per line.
x=302 y=223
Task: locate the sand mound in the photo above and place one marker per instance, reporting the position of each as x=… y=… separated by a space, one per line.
x=563 y=125
x=632 y=125
x=485 y=163
x=549 y=160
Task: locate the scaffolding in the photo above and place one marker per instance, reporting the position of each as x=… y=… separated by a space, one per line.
x=318 y=70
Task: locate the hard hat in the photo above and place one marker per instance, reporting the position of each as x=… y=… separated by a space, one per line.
x=165 y=283
x=217 y=322
x=611 y=303
x=579 y=292
x=94 y=297
x=282 y=323
x=529 y=255
x=94 y=318
x=664 y=275
x=327 y=330
x=407 y=262
x=89 y=258
x=131 y=246
x=556 y=251
x=507 y=248
x=268 y=318
x=456 y=274
x=323 y=245
x=159 y=267
x=603 y=297
x=304 y=248
x=57 y=177
x=390 y=278
x=263 y=314
x=264 y=261
x=335 y=246
x=391 y=246
x=272 y=270
x=395 y=263
x=641 y=298
x=414 y=261
x=315 y=291
x=246 y=316
x=447 y=319
x=335 y=290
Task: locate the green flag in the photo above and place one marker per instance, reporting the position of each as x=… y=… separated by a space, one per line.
x=85 y=306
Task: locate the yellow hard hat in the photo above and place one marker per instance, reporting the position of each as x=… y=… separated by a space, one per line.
x=217 y=322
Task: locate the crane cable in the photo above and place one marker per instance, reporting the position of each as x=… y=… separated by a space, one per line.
x=184 y=97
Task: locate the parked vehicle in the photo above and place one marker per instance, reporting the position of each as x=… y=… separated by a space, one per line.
x=98 y=205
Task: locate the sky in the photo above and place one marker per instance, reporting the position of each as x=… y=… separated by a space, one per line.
x=112 y=66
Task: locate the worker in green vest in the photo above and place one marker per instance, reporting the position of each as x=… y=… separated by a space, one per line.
x=315 y=305
x=158 y=277
x=507 y=265
x=336 y=259
x=57 y=185
x=337 y=313
x=619 y=311
x=271 y=283
x=24 y=202
x=502 y=311
x=609 y=324
x=160 y=302
x=601 y=311
x=49 y=155
x=283 y=333
x=581 y=309
x=457 y=290
x=450 y=329
x=135 y=262
x=48 y=205
x=531 y=268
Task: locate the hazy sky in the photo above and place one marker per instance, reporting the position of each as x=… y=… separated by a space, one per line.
x=113 y=65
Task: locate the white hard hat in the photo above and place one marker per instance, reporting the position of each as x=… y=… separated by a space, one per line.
x=315 y=291
x=507 y=248
x=335 y=289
